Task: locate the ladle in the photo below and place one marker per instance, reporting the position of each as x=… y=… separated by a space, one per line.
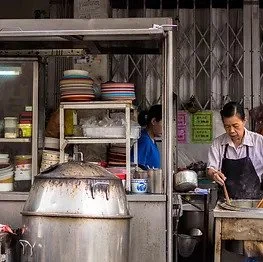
x=226 y=194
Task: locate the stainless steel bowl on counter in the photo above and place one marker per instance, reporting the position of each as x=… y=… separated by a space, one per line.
x=76 y=212
x=185 y=180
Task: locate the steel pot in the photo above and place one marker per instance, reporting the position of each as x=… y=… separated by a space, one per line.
x=185 y=180
x=76 y=212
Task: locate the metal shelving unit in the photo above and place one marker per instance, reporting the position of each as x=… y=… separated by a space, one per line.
x=15 y=140
x=34 y=139
x=128 y=107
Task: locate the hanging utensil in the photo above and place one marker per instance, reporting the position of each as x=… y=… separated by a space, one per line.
x=260 y=204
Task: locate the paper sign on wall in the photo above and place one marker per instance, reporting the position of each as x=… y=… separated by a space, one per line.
x=202 y=127
x=181 y=127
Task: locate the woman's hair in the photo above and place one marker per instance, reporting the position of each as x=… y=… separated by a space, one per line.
x=232 y=109
x=145 y=117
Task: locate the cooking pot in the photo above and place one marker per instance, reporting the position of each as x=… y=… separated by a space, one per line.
x=76 y=212
x=185 y=180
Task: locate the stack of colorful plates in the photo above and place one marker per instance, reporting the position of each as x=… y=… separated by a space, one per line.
x=117 y=155
x=76 y=86
x=117 y=91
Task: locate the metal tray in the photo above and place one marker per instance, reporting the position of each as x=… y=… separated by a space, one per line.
x=243 y=205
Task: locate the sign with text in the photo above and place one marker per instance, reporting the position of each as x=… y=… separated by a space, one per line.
x=202 y=127
x=182 y=127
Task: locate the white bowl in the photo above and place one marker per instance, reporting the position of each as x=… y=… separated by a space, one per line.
x=5 y=170
x=139 y=186
x=49 y=155
x=6 y=187
x=51 y=142
x=6 y=176
x=76 y=72
x=4 y=155
x=4 y=160
x=49 y=162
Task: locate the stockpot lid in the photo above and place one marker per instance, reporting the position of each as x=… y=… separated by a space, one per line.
x=77 y=189
x=76 y=170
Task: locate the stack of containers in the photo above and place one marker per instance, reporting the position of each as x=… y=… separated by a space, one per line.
x=50 y=158
x=25 y=122
x=6 y=173
x=23 y=173
x=10 y=127
x=4 y=159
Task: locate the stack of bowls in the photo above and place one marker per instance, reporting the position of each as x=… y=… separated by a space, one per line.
x=23 y=173
x=4 y=159
x=6 y=177
x=76 y=86
x=51 y=143
x=50 y=158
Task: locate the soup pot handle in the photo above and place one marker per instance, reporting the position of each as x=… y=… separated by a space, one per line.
x=24 y=244
x=104 y=186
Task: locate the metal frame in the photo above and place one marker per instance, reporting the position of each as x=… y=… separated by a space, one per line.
x=34 y=138
x=80 y=33
x=98 y=105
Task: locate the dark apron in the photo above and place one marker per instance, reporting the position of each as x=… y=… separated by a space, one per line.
x=242 y=180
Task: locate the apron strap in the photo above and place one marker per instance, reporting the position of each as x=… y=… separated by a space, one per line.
x=225 y=150
x=247 y=150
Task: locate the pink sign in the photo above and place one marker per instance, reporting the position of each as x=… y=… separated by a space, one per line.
x=181 y=127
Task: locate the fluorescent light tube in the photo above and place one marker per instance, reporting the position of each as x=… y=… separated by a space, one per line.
x=10 y=71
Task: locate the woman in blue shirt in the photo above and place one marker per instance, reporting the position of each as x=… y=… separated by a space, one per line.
x=148 y=152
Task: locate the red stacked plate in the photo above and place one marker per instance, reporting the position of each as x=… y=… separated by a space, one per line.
x=117 y=155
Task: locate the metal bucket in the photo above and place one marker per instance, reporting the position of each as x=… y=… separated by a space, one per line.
x=76 y=212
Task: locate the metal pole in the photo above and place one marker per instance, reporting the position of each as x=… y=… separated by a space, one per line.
x=35 y=122
x=168 y=141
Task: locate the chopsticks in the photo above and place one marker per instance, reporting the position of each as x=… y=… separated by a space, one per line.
x=226 y=194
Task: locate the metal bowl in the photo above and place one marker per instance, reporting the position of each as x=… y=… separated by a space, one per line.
x=186 y=245
x=185 y=180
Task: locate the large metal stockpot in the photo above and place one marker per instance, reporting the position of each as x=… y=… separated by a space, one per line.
x=76 y=212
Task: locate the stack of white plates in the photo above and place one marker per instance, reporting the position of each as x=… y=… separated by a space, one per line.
x=4 y=158
x=50 y=158
x=6 y=177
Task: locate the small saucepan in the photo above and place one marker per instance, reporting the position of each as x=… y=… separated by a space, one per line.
x=185 y=180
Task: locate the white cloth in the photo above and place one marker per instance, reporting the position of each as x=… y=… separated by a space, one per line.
x=253 y=140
